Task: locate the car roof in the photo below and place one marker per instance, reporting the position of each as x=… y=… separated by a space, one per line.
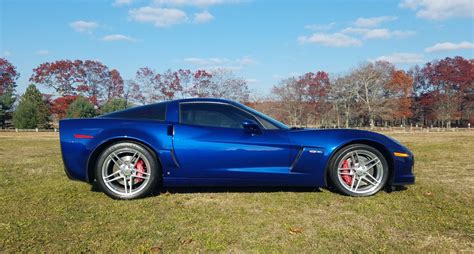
x=205 y=100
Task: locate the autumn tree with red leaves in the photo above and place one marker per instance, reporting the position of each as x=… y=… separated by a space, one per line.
x=60 y=105
x=8 y=78
x=400 y=88
x=439 y=93
x=150 y=86
x=302 y=98
x=446 y=88
x=202 y=85
x=88 y=78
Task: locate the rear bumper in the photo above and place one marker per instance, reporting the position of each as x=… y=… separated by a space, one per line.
x=69 y=175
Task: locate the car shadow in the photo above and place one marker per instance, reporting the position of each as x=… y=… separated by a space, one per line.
x=246 y=189
x=212 y=189
x=395 y=188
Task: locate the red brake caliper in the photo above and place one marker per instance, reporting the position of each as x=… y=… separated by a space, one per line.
x=347 y=178
x=140 y=166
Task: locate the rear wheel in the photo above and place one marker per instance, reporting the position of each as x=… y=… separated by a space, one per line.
x=127 y=170
x=358 y=170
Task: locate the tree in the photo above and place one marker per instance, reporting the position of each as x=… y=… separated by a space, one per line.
x=370 y=80
x=147 y=80
x=81 y=108
x=8 y=78
x=62 y=76
x=115 y=88
x=88 y=78
x=302 y=97
x=133 y=93
x=114 y=105
x=344 y=94
x=400 y=88
x=95 y=81
x=60 y=105
x=316 y=87
x=32 y=111
x=444 y=88
x=169 y=84
x=202 y=85
x=151 y=86
x=451 y=78
x=226 y=85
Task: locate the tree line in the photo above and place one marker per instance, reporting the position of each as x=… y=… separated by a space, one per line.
x=438 y=93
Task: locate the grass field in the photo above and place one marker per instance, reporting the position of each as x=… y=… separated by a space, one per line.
x=42 y=211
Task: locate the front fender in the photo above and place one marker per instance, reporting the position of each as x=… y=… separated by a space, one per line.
x=325 y=143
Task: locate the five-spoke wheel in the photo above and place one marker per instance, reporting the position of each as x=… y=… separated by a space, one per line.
x=126 y=171
x=359 y=170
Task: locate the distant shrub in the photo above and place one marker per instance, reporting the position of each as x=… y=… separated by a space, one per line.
x=81 y=108
x=114 y=105
x=32 y=111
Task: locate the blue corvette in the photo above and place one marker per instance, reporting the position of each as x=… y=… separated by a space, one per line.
x=216 y=142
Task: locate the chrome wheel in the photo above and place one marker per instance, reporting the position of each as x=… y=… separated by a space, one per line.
x=361 y=172
x=126 y=171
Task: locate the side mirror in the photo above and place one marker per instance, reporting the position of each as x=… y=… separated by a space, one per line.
x=251 y=127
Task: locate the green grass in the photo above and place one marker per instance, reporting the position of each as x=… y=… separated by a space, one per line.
x=42 y=211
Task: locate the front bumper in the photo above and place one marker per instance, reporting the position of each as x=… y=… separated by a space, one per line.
x=403 y=171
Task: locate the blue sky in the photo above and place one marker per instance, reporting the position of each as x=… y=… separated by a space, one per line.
x=262 y=41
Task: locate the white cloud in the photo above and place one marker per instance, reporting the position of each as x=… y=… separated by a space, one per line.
x=378 y=33
x=246 y=61
x=447 y=46
x=197 y=3
x=43 y=52
x=160 y=17
x=203 y=17
x=119 y=3
x=6 y=53
x=251 y=80
x=330 y=40
x=118 y=37
x=402 y=58
x=374 y=21
x=320 y=26
x=440 y=9
x=83 y=26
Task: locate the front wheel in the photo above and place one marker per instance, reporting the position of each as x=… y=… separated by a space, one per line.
x=359 y=170
x=127 y=170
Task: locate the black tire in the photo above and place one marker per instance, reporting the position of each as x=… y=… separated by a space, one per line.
x=380 y=168
x=113 y=190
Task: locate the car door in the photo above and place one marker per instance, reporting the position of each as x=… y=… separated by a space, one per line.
x=210 y=142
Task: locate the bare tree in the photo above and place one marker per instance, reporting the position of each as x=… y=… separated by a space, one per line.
x=370 y=80
x=344 y=95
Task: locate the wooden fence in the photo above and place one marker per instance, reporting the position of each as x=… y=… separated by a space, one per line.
x=29 y=130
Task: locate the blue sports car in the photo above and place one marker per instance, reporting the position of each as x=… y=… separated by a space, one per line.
x=216 y=142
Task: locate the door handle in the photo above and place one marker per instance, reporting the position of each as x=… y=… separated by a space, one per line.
x=170 y=130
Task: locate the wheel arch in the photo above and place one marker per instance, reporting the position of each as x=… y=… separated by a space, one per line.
x=101 y=147
x=380 y=147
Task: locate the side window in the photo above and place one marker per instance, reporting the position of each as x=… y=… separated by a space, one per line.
x=213 y=114
x=152 y=112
